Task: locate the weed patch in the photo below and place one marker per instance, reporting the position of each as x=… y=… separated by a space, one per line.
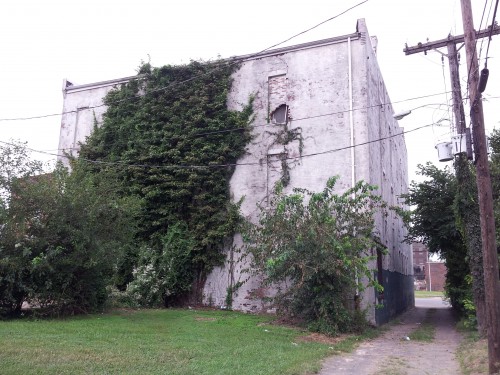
x=426 y=331
x=472 y=353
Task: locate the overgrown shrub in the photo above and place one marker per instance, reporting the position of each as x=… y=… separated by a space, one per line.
x=162 y=276
x=318 y=247
x=60 y=237
x=436 y=206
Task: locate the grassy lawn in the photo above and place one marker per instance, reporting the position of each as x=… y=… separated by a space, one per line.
x=425 y=293
x=169 y=341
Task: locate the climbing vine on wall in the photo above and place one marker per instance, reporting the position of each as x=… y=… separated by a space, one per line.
x=284 y=137
x=173 y=141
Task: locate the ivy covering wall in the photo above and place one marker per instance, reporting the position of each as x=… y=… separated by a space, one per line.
x=173 y=143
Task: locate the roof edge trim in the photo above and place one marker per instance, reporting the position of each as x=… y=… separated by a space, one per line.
x=252 y=56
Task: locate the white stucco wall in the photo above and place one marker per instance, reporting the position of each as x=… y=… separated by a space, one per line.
x=336 y=97
x=82 y=108
x=318 y=96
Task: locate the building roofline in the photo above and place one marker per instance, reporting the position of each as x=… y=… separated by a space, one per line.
x=69 y=87
x=297 y=47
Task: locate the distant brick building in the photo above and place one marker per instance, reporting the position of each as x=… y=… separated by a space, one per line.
x=435 y=276
x=428 y=274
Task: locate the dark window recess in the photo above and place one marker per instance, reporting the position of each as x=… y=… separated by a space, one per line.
x=380 y=275
x=280 y=115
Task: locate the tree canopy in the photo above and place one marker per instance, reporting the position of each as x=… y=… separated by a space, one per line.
x=432 y=221
x=61 y=235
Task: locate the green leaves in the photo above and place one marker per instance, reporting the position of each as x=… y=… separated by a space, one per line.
x=172 y=137
x=61 y=236
x=163 y=276
x=317 y=243
x=442 y=213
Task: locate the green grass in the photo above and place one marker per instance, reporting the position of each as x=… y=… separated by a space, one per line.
x=472 y=352
x=425 y=293
x=425 y=331
x=169 y=341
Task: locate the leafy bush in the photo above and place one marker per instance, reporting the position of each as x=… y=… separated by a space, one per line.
x=318 y=247
x=442 y=208
x=61 y=235
x=164 y=275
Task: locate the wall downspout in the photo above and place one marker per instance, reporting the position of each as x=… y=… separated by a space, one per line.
x=353 y=160
x=351 y=121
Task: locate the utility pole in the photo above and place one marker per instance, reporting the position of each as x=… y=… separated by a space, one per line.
x=468 y=211
x=458 y=107
x=489 y=254
x=490 y=257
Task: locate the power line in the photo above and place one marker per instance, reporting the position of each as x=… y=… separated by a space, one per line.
x=481 y=24
x=323 y=115
x=220 y=131
x=186 y=166
x=491 y=33
x=295 y=119
x=233 y=62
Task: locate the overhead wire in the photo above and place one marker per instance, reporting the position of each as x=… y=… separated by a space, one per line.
x=301 y=118
x=315 y=116
x=234 y=61
x=323 y=115
x=481 y=24
x=251 y=127
x=469 y=72
x=444 y=84
x=187 y=166
x=491 y=33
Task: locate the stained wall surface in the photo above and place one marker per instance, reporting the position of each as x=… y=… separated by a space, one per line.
x=83 y=108
x=336 y=99
x=331 y=96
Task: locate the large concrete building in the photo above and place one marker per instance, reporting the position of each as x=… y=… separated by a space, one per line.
x=330 y=94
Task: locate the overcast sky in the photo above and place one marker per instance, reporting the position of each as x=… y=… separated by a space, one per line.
x=42 y=43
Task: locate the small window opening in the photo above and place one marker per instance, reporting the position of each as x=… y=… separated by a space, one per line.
x=280 y=115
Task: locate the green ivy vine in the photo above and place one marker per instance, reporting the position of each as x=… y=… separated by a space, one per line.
x=284 y=137
x=171 y=139
x=468 y=221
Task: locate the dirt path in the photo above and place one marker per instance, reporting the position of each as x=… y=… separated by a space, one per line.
x=392 y=354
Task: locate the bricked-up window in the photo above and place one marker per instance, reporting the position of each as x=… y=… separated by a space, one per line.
x=277 y=96
x=280 y=115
